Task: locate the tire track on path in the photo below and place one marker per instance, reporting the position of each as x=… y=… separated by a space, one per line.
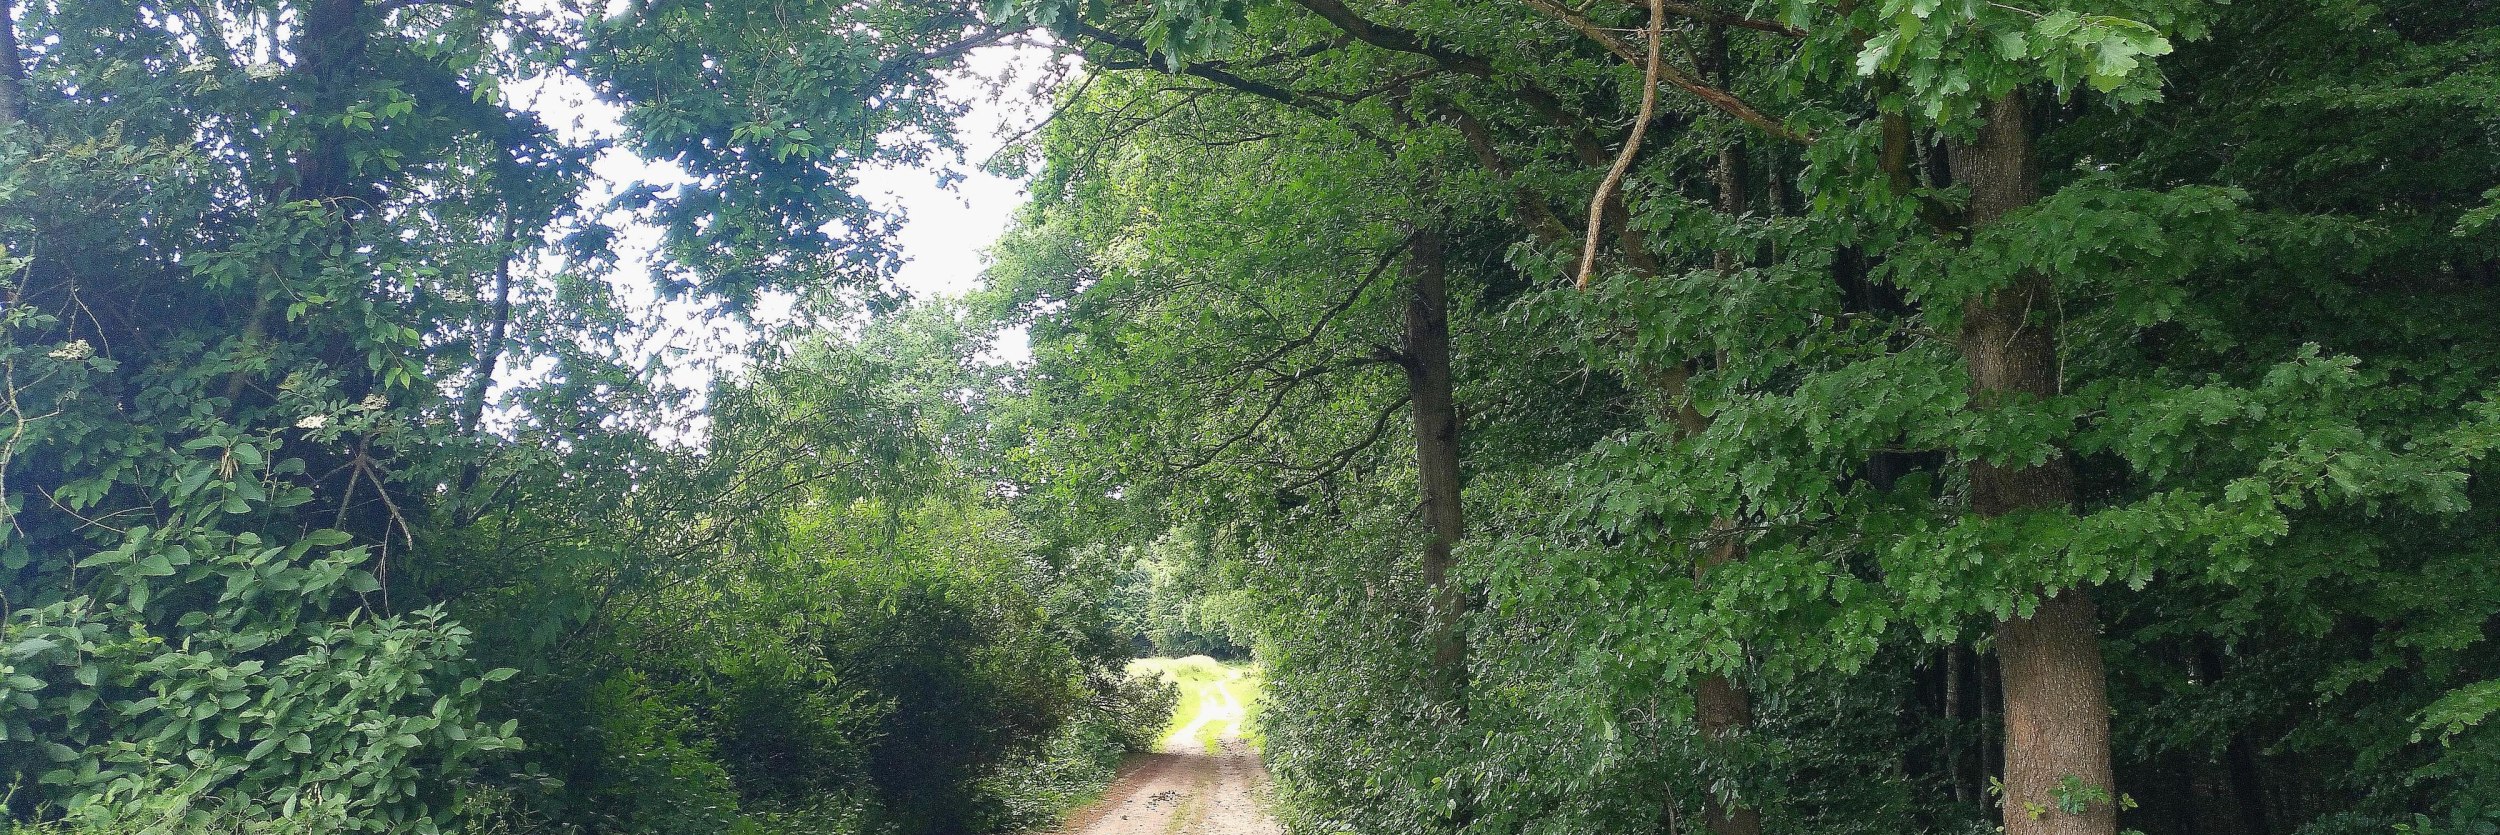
x=1186 y=789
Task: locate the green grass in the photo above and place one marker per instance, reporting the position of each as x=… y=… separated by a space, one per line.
x=1201 y=679
x=1247 y=687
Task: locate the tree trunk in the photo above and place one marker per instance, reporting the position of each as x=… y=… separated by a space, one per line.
x=1431 y=385
x=489 y=352
x=2241 y=776
x=1991 y=728
x=2056 y=721
x=330 y=50
x=1722 y=708
x=12 y=69
x=498 y=328
x=1953 y=723
x=2057 y=760
x=1724 y=711
x=1429 y=381
x=2247 y=785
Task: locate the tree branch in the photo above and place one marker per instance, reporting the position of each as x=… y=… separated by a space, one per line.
x=1543 y=101
x=1631 y=144
x=1208 y=72
x=1342 y=305
x=899 y=65
x=1285 y=385
x=1717 y=98
x=1345 y=457
x=1709 y=15
x=1540 y=219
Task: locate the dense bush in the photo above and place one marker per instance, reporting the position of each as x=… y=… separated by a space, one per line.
x=879 y=654
x=340 y=449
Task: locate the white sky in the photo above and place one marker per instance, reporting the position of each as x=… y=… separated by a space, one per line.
x=949 y=232
x=943 y=242
x=948 y=228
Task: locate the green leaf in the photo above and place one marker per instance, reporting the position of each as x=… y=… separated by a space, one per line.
x=154 y=565
x=2012 y=45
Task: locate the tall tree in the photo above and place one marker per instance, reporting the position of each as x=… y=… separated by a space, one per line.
x=2056 y=707
x=1432 y=395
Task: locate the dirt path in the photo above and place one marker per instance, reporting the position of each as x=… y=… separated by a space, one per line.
x=1216 y=706
x=1184 y=792
x=1185 y=789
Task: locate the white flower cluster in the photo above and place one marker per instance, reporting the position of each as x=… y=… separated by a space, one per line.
x=74 y=350
x=313 y=422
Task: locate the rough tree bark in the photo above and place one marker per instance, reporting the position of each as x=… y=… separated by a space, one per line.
x=1429 y=381
x=2056 y=700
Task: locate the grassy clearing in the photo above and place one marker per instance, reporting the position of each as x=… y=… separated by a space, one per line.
x=1215 y=697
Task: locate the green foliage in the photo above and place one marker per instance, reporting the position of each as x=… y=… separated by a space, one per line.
x=180 y=645
x=2271 y=381
x=1947 y=56
x=1174 y=608
x=769 y=107
x=2462 y=708
x=866 y=647
x=338 y=458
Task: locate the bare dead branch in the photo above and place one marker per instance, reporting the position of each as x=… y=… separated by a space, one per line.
x=1631 y=144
